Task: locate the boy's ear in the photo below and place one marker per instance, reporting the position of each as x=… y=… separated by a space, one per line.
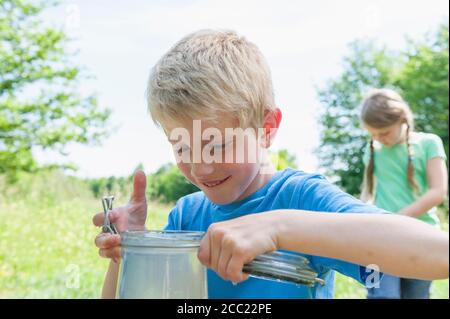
x=272 y=120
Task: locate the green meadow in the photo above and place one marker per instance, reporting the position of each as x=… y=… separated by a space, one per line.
x=47 y=241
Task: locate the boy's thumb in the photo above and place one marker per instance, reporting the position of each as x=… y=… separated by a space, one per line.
x=139 y=185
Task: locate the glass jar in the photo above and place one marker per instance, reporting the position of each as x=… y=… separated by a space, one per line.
x=161 y=264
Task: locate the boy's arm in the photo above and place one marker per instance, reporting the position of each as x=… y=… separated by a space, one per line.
x=131 y=216
x=398 y=245
x=109 y=245
x=110 y=284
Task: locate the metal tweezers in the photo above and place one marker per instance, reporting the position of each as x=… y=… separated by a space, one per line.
x=107 y=202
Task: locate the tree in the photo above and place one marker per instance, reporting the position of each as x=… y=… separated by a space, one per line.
x=283 y=159
x=168 y=184
x=342 y=139
x=420 y=74
x=424 y=83
x=40 y=104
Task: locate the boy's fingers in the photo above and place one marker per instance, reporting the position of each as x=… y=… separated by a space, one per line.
x=223 y=262
x=98 y=219
x=215 y=252
x=113 y=253
x=234 y=270
x=204 y=251
x=107 y=241
x=139 y=185
x=114 y=214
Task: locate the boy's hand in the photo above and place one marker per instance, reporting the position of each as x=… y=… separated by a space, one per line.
x=228 y=245
x=130 y=216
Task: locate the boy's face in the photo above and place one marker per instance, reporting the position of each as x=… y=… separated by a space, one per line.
x=226 y=167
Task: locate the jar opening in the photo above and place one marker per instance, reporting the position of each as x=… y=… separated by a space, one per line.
x=162 y=238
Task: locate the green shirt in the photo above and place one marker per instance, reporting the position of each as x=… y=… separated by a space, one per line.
x=392 y=191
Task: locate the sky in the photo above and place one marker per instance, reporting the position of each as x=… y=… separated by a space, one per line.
x=303 y=41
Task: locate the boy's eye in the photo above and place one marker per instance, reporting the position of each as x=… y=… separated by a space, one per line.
x=216 y=148
x=182 y=150
x=219 y=146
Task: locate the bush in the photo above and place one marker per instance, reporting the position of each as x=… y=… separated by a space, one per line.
x=168 y=184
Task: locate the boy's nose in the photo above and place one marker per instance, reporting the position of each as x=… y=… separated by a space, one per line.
x=201 y=170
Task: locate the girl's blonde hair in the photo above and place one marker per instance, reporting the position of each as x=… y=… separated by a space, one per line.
x=208 y=73
x=382 y=108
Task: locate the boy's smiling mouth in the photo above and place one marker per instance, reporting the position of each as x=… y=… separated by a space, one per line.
x=216 y=182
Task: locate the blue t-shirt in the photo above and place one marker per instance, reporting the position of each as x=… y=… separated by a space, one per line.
x=287 y=189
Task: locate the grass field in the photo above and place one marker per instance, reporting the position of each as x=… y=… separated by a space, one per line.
x=47 y=242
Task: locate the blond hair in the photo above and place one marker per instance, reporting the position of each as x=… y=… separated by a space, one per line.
x=208 y=73
x=382 y=108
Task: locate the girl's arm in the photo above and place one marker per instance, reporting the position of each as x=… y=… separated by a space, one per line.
x=437 y=181
x=398 y=245
x=110 y=284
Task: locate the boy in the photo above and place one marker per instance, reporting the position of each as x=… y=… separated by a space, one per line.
x=215 y=87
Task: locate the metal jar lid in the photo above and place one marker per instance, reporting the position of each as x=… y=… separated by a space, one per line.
x=284 y=267
x=162 y=238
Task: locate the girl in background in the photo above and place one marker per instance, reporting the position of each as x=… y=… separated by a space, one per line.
x=405 y=173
